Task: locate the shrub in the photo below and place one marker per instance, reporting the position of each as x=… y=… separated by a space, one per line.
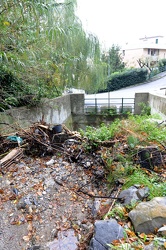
x=162 y=65
x=127 y=78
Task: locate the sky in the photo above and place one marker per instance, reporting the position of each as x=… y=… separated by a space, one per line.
x=122 y=21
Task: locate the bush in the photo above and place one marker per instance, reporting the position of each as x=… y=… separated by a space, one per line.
x=127 y=78
x=162 y=65
x=12 y=90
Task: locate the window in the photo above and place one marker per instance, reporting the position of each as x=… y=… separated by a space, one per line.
x=153 y=52
x=157 y=41
x=123 y=52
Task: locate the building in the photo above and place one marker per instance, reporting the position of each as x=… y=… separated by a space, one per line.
x=148 y=49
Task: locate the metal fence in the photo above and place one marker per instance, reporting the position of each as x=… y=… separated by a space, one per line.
x=109 y=105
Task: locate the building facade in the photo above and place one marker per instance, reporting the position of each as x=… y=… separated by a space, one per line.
x=148 y=49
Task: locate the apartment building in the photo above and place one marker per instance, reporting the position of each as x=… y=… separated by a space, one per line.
x=147 y=49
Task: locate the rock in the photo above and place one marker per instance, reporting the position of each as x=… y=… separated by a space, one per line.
x=96 y=207
x=26 y=201
x=49 y=182
x=133 y=194
x=142 y=193
x=34 y=248
x=105 y=232
x=54 y=233
x=21 y=204
x=148 y=216
x=157 y=244
x=87 y=164
x=162 y=230
x=99 y=173
x=50 y=162
x=66 y=240
x=129 y=195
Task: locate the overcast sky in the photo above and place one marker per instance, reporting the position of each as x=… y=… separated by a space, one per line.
x=121 y=21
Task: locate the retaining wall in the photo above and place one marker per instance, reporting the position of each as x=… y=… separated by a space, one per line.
x=53 y=111
x=156 y=102
x=69 y=109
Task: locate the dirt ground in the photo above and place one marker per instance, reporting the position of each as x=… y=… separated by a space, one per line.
x=41 y=199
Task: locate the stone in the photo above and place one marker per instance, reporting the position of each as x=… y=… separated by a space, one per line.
x=143 y=193
x=129 y=195
x=49 y=182
x=96 y=207
x=105 y=232
x=149 y=216
x=162 y=230
x=66 y=240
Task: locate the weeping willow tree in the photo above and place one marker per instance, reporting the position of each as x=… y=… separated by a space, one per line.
x=43 y=49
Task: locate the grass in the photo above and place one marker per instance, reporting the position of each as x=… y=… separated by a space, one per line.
x=131 y=134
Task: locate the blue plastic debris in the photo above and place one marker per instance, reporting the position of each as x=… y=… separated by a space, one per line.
x=15 y=138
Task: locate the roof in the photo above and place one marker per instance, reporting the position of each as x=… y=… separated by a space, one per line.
x=149 y=37
x=144 y=46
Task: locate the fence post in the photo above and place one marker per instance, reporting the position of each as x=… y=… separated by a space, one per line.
x=108 y=100
x=95 y=105
x=122 y=105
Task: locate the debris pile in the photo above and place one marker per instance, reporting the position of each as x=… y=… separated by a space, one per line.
x=53 y=189
x=38 y=140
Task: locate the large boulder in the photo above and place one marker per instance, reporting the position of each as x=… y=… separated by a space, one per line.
x=105 y=232
x=149 y=216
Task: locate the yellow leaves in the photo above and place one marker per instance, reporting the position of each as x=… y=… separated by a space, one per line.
x=29 y=217
x=74 y=197
x=130 y=233
x=6 y=23
x=165 y=245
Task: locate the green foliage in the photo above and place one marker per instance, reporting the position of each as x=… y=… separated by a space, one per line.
x=132 y=141
x=109 y=111
x=118 y=212
x=44 y=46
x=162 y=65
x=113 y=59
x=156 y=189
x=102 y=133
x=12 y=89
x=143 y=125
x=145 y=109
x=126 y=78
x=122 y=170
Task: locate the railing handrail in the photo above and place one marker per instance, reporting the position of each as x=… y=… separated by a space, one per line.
x=109 y=105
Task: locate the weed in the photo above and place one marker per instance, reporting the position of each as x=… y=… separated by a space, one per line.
x=141 y=178
x=132 y=141
x=145 y=109
x=101 y=133
x=118 y=212
x=123 y=246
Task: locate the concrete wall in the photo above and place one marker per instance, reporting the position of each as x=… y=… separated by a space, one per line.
x=52 y=111
x=69 y=109
x=140 y=98
x=95 y=120
x=156 y=102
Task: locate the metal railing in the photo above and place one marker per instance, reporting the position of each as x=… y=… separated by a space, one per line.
x=109 y=105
